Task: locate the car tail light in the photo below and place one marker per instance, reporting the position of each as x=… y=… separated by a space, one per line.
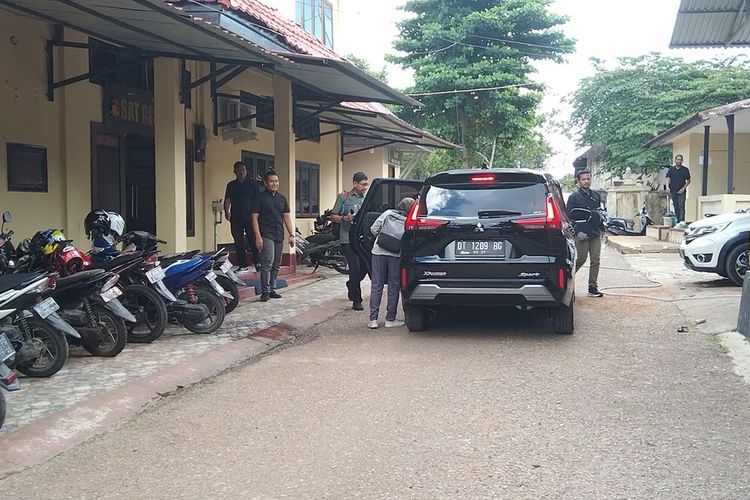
x=561 y=278
x=415 y=222
x=551 y=220
x=403 y=277
x=482 y=178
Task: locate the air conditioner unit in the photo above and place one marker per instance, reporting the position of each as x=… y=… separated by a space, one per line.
x=238 y=131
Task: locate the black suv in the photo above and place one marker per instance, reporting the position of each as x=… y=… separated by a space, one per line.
x=479 y=238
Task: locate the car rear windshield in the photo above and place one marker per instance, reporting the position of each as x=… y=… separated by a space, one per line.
x=494 y=200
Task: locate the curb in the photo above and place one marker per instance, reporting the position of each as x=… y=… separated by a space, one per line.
x=650 y=248
x=53 y=434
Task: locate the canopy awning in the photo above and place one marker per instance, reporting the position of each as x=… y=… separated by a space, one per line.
x=149 y=26
x=368 y=125
x=712 y=23
x=159 y=28
x=713 y=117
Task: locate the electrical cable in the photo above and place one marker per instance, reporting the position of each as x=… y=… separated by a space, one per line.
x=654 y=284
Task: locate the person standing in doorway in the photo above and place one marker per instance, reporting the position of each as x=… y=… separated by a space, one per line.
x=238 y=203
x=583 y=209
x=270 y=217
x=678 y=179
x=347 y=204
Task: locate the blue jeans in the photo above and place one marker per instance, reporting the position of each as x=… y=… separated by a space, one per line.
x=678 y=200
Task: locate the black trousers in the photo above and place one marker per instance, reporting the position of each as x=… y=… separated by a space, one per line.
x=357 y=273
x=240 y=229
x=678 y=200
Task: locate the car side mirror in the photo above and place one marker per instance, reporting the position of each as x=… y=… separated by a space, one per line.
x=6 y=216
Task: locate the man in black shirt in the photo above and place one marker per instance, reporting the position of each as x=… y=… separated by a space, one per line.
x=238 y=203
x=270 y=216
x=582 y=208
x=678 y=179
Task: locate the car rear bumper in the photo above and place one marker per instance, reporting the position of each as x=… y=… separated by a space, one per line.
x=431 y=294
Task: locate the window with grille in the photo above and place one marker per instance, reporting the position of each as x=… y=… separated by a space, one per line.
x=307 y=202
x=316 y=17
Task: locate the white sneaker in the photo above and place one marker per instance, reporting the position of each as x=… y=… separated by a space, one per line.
x=394 y=324
x=372 y=324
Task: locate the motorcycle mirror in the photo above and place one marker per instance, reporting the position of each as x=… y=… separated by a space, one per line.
x=6 y=216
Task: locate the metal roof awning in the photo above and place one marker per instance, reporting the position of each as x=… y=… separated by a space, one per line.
x=150 y=26
x=712 y=23
x=339 y=79
x=711 y=117
x=364 y=128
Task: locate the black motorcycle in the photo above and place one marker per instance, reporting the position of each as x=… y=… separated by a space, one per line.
x=620 y=226
x=321 y=248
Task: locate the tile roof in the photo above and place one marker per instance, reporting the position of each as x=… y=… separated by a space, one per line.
x=294 y=34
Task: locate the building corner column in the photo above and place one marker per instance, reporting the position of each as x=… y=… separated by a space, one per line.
x=285 y=152
x=169 y=135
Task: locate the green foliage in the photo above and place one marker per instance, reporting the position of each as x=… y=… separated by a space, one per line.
x=568 y=183
x=420 y=165
x=473 y=44
x=365 y=66
x=623 y=108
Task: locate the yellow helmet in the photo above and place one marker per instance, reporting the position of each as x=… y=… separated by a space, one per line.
x=54 y=239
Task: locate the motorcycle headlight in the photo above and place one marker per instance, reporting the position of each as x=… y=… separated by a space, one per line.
x=702 y=231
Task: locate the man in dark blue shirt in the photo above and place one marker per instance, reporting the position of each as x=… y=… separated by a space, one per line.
x=238 y=203
x=270 y=215
x=678 y=179
x=582 y=208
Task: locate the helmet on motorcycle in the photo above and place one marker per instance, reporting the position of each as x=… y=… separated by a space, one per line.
x=96 y=222
x=46 y=241
x=117 y=224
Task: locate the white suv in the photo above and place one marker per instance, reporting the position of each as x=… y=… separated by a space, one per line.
x=719 y=245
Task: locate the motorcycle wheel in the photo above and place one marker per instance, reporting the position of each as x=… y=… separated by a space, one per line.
x=114 y=334
x=231 y=287
x=338 y=262
x=149 y=311
x=2 y=409
x=216 y=312
x=54 y=350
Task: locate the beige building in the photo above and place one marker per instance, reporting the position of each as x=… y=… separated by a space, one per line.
x=144 y=107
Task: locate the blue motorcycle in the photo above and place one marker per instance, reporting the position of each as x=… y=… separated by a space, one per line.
x=193 y=281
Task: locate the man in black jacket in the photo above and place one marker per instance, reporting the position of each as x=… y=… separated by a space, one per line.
x=582 y=209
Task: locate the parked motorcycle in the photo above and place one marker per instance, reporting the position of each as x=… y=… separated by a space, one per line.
x=620 y=226
x=321 y=248
x=88 y=299
x=8 y=379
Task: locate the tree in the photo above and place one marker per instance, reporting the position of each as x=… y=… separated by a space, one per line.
x=365 y=66
x=459 y=45
x=623 y=108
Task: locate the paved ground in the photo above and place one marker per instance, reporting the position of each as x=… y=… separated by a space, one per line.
x=85 y=376
x=488 y=404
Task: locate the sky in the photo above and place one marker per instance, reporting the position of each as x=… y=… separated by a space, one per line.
x=605 y=29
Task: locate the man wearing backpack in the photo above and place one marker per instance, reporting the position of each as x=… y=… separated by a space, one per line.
x=347 y=204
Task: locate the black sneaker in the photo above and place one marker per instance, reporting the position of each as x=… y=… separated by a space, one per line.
x=357 y=306
x=264 y=297
x=274 y=295
x=594 y=292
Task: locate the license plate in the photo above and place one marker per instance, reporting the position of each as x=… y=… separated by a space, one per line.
x=211 y=276
x=226 y=266
x=6 y=348
x=155 y=274
x=480 y=248
x=112 y=293
x=46 y=307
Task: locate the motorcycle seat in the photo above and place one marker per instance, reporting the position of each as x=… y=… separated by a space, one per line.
x=79 y=277
x=116 y=262
x=167 y=260
x=18 y=281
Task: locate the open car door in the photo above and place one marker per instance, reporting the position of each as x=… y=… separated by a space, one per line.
x=382 y=195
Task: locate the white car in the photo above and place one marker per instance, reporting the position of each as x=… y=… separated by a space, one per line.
x=718 y=245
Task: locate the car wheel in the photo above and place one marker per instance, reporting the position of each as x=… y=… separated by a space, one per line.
x=563 y=318
x=417 y=318
x=737 y=263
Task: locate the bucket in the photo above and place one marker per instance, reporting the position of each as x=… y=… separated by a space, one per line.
x=667 y=221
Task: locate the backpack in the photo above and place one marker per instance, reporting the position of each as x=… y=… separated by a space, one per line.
x=336 y=226
x=390 y=235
